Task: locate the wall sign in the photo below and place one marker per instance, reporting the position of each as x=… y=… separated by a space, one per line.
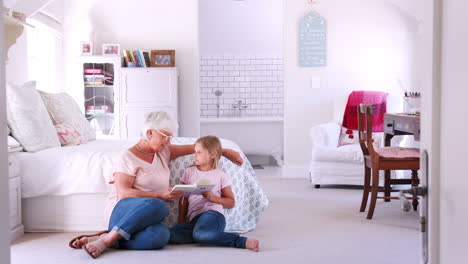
x=312 y=41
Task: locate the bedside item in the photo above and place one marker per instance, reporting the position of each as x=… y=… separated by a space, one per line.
x=34 y=131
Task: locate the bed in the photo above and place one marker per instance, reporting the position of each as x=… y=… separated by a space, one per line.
x=64 y=189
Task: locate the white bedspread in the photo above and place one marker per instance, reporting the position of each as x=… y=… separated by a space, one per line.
x=69 y=170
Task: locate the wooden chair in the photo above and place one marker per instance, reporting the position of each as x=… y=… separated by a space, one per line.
x=384 y=158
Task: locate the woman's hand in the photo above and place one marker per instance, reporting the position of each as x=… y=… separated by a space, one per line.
x=169 y=195
x=210 y=196
x=234 y=156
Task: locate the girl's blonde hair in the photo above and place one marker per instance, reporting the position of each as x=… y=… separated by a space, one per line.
x=213 y=145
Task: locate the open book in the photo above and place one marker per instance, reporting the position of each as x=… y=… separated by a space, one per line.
x=190 y=189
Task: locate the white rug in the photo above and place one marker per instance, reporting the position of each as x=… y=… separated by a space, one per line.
x=302 y=225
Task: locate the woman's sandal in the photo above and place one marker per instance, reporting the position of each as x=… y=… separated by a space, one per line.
x=91 y=238
x=98 y=244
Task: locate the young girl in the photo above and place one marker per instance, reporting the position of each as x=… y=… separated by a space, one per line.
x=205 y=213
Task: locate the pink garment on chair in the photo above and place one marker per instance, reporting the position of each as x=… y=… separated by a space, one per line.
x=378 y=99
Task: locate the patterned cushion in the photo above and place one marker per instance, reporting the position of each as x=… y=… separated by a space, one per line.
x=28 y=119
x=63 y=109
x=398 y=153
x=68 y=135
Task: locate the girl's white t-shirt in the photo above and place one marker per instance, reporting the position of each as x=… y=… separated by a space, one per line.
x=197 y=203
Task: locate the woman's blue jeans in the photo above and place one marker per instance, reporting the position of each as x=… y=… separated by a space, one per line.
x=206 y=228
x=139 y=221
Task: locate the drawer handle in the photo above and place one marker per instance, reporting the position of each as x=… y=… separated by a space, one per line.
x=389 y=125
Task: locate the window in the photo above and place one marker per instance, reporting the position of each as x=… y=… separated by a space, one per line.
x=45 y=56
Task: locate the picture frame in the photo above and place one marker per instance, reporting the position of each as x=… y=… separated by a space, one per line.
x=162 y=58
x=86 y=48
x=110 y=49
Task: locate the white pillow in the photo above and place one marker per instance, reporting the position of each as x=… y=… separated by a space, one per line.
x=63 y=109
x=28 y=118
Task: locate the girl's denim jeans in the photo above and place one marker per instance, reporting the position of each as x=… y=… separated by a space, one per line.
x=206 y=228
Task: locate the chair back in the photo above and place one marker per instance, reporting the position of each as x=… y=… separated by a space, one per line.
x=365 y=112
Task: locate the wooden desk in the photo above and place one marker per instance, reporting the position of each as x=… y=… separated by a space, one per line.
x=401 y=124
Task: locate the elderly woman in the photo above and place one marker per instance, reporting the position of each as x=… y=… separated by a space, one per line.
x=141 y=181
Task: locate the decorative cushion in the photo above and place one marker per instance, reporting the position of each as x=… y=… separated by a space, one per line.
x=64 y=110
x=351 y=153
x=28 y=119
x=350 y=136
x=68 y=136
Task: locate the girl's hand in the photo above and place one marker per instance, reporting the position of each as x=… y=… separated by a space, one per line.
x=234 y=156
x=210 y=196
x=169 y=195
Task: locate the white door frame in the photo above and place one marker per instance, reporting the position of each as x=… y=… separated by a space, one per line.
x=4 y=190
x=430 y=123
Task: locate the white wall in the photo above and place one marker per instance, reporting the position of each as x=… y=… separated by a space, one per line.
x=370 y=46
x=139 y=24
x=17 y=67
x=241 y=27
x=4 y=190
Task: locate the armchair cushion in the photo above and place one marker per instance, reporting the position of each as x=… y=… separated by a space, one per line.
x=345 y=154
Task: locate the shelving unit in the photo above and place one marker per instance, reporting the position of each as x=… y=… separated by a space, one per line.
x=100 y=82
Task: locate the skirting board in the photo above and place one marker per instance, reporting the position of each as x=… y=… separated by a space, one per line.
x=16 y=233
x=295 y=172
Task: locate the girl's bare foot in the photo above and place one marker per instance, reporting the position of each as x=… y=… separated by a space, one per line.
x=252 y=244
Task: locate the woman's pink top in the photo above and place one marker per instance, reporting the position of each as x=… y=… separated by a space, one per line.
x=149 y=177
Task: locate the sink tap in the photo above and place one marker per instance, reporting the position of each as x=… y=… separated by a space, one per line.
x=239 y=105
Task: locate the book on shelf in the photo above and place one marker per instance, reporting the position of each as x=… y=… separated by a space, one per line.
x=94 y=83
x=139 y=57
x=147 y=58
x=94 y=75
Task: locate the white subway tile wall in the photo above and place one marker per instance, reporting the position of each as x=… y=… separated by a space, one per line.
x=251 y=86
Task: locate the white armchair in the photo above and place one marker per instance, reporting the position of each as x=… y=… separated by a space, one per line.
x=338 y=165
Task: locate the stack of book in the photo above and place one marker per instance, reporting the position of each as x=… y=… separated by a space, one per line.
x=93 y=77
x=138 y=57
x=96 y=109
x=98 y=77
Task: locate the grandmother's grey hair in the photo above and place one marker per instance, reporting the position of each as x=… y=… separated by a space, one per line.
x=158 y=121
